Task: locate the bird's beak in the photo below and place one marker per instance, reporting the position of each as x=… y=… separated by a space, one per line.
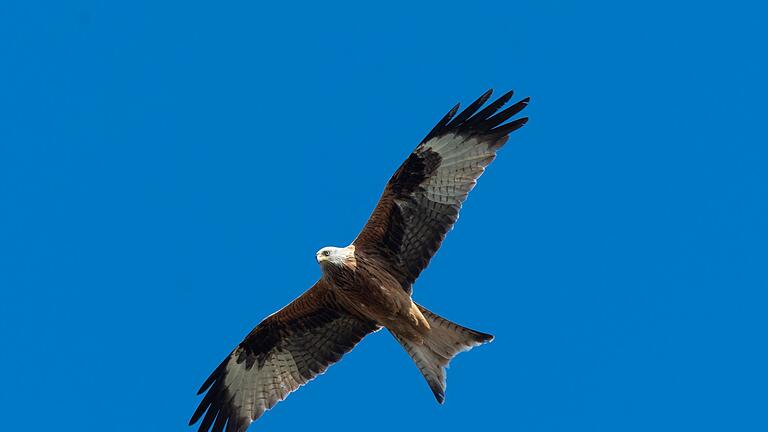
x=320 y=258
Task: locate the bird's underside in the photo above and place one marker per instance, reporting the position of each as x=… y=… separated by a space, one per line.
x=368 y=284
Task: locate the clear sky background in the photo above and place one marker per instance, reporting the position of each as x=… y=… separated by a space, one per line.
x=168 y=170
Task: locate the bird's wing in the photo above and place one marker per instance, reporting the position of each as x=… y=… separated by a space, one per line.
x=421 y=201
x=285 y=351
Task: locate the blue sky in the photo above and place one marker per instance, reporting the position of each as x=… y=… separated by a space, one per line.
x=167 y=172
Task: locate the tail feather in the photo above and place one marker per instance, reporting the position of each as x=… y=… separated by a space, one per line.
x=434 y=352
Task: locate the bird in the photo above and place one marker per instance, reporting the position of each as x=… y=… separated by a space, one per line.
x=368 y=285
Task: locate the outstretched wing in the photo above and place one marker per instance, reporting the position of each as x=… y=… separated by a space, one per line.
x=421 y=202
x=284 y=352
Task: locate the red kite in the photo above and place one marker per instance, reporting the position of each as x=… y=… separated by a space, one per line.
x=368 y=284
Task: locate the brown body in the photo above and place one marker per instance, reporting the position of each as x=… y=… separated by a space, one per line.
x=368 y=284
x=367 y=290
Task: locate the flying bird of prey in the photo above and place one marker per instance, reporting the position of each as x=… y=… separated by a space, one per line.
x=368 y=284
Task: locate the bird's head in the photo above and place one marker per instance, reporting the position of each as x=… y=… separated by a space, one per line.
x=336 y=257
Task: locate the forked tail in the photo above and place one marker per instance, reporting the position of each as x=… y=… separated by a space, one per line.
x=443 y=342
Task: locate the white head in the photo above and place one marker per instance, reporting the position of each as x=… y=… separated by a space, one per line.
x=334 y=256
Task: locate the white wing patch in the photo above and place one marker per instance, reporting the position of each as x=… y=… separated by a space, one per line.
x=463 y=161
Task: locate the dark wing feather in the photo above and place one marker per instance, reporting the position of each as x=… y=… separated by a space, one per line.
x=421 y=202
x=284 y=352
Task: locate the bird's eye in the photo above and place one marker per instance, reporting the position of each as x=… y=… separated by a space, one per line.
x=326 y=253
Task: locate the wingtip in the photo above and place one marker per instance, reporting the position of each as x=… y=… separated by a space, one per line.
x=484 y=98
x=201 y=409
x=195 y=417
x=506 y=97
x=455 y=109
x=475 y=119
x=519 y=123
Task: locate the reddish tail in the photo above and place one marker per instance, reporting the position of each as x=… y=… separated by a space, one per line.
x=444 y=341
